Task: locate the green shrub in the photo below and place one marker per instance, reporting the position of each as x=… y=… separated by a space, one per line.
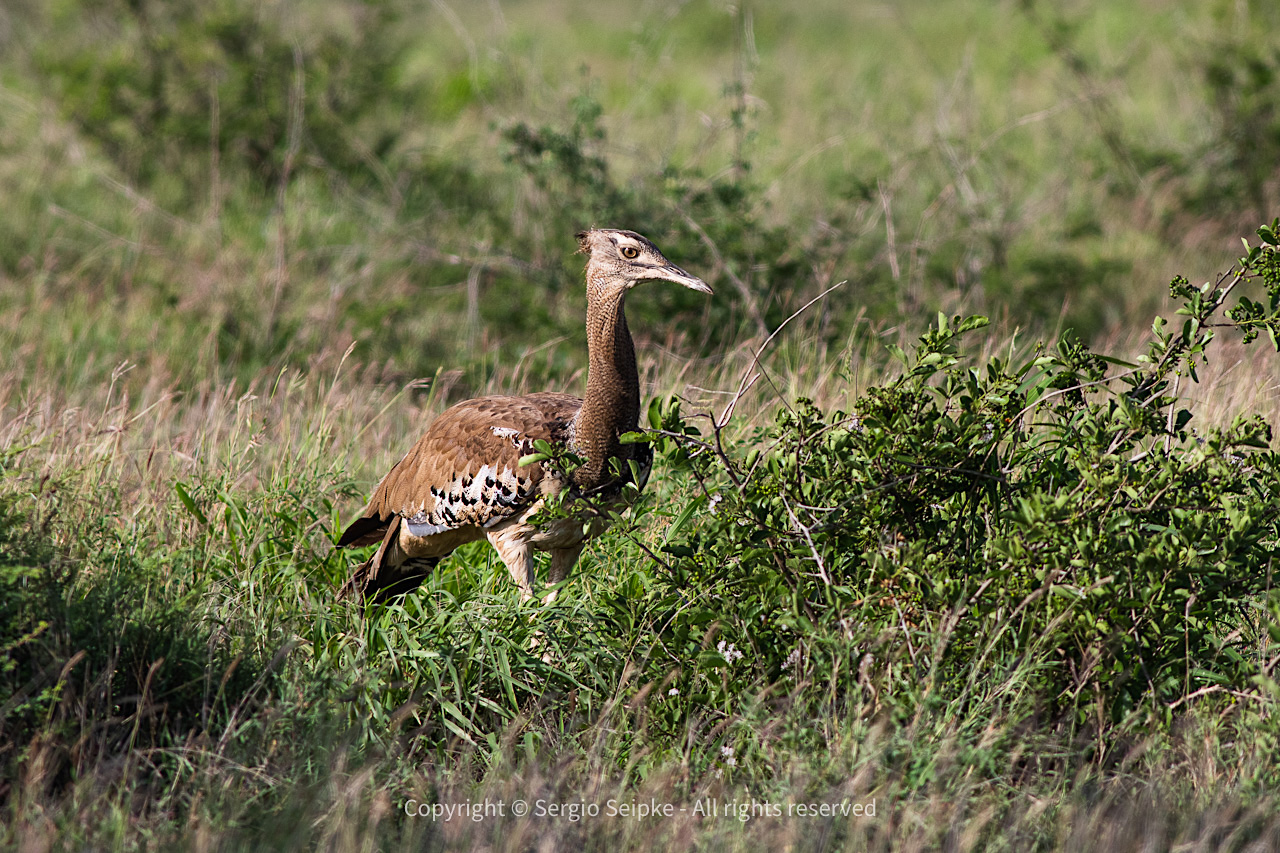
x=163 y=85
x=712 y=225
x=1049 y=528
x=1241 y=72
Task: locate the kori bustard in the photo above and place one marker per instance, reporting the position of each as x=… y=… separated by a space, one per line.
x=463 y=480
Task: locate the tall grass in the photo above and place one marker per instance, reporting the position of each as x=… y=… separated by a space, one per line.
x=970 y=178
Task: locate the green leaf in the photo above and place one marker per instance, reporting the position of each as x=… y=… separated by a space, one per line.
x=682 y=519
x=189 y=502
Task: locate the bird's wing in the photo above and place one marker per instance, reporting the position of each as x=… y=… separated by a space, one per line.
x=466 y=469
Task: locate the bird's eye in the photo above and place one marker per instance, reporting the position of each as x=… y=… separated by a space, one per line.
x=630 y=252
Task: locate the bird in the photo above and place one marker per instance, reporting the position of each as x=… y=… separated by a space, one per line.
x=462 y=481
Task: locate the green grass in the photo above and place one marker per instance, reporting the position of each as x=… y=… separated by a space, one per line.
x=221 y=326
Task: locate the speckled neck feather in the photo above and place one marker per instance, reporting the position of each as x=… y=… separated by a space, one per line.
x=612 y=403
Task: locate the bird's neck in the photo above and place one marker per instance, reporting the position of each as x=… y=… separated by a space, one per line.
x=612 y=403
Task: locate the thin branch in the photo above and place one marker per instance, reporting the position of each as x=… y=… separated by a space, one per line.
x=813 y=549
x=747 y=378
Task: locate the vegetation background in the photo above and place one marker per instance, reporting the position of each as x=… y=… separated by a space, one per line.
x=1011 y=580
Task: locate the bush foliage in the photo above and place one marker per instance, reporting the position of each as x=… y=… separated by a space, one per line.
x=1054 y=516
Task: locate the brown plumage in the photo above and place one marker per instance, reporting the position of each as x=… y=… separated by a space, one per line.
x=462 y=481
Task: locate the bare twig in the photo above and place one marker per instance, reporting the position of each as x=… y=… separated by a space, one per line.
x=747 y=378
x=813 y=549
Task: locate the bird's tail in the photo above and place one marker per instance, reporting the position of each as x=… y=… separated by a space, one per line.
x=381 y=583
x=382 y=577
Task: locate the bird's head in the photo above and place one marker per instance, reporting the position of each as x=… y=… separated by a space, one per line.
x=623 y=259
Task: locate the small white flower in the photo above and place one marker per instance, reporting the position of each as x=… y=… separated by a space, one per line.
x=729 y=760
x=792 y=659
x=674 y=691
x=729 y=651
x=715 y=500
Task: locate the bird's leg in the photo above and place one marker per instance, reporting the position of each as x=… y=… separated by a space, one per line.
x=515 y=552
x=562 y=560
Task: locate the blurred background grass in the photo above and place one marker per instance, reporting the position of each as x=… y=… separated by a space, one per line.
x=224 y=187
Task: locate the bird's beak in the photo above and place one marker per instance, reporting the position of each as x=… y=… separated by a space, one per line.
x=671 y=272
